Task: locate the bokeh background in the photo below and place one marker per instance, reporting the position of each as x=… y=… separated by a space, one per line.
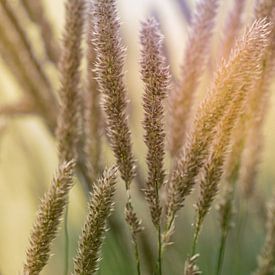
x=28 y=158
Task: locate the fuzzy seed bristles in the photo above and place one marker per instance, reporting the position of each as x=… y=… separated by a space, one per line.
x=155 y=76
x=68 y=123
x=131 y=217
x=47 y=220
x=266 y=260
x=244 y=64
x=196 y=52
x=99 y=208
x=110 y=56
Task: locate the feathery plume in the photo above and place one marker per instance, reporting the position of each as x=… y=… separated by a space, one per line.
x=92 y=113
x=266 y=260
x=190 y=267
x=100 y=206
x=47 y=219
x=243 y=63
x=232 y=27
x=68 y=122
x=36 y=13
x=241 y=164
x=212 y=169
x=155 y=76
x=253 y=122
x=110 y=55
x=181 y=99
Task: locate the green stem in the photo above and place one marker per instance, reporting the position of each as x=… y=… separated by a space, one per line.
x=136 y=255
x=221 y=253
x=66 y=247
x=195 y=241
x=198 y=224
x=159 y=251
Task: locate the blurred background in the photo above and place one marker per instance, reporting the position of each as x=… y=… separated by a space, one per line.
x=28 y=156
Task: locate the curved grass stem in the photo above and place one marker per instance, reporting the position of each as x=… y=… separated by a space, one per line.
x=137 y=255
x=67 y=244
x=159 y=251
x=221 y=253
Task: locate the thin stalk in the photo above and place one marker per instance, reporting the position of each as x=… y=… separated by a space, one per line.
x=67 y=244
x=168 y=228
x=221 y=253
x=224 y=235
x=195 y=241
x=242 y=224
x=136 y=255
x=159 y=251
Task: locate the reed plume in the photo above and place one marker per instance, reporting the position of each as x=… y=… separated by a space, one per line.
x=266 y=260
x=257 y=109
x=231 y=76
x=110 y=56
x=68 y=122
x=99 y=208
x=181 y=99
x=213 y=167
x=47 y=219
x=92 y=113
x=36 y=12
x=155 y=76
x=246 y=145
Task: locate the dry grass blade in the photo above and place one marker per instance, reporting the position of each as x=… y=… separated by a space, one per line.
x=27 y=47
x=17 y=54
x=36 y=12
x=181 y=98
x=246 y=58
x=21 y=107
x=47 y=220
x=155 y=76
x=68 y=123
x=99 y=208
